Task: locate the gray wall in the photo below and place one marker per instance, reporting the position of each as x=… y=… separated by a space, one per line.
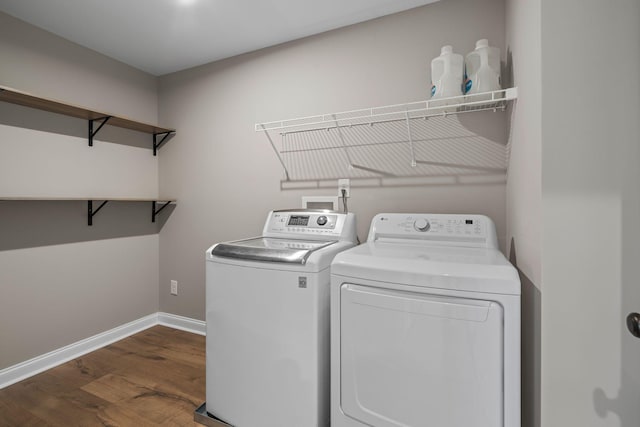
x=572 y=207
x=60 y=280
x=523 y=195
x=227 y=177
x=590 y=211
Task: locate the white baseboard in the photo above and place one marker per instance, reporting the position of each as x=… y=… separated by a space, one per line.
x=28 y=368
x=183 y=323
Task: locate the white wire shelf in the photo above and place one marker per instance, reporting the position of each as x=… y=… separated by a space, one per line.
x=415 y=110
x=341 y=145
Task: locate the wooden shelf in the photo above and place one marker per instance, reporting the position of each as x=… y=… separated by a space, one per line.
x=73 y=199
x=14 y=96
x=91 y=212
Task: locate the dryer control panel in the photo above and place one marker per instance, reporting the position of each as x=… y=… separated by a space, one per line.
x=309 y=223
x=456 y=230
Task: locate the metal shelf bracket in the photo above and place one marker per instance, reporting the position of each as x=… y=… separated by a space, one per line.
x=344 y=145
x=275 y=150
x=155 y=212
x=413 y=154
x=91 y=212
x=156 y=143
x=93 y=133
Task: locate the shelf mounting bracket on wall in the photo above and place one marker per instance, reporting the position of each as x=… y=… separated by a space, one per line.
x=156 y=143
x=344 y=145
x=155 y=212
x=91 y=212
x=93 y=133
x=273 y=145
x=413 y=154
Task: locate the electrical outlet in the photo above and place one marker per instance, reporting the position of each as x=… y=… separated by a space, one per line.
x=344 y=184
x=174 y=287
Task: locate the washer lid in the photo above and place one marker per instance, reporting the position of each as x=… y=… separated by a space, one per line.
x=270 y=249
x=467 y=269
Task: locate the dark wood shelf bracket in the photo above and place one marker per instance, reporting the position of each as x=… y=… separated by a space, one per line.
x=93 y=133
x=154 y=211
x=156 y=143
x=91 y=212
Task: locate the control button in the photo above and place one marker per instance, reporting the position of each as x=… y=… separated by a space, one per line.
x=421 y=224
x=322 y=220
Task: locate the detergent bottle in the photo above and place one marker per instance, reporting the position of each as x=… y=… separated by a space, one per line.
x=447 y=71
x=482 y=69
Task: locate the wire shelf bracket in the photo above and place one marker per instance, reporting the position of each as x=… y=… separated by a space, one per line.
x=350 y=165
x=275 y=150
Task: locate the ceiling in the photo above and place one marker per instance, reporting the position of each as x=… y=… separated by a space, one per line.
x=163 y=36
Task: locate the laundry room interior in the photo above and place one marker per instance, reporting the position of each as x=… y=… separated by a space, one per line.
x=101 y=241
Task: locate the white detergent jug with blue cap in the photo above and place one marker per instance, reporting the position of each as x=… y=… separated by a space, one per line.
x=482 y=69
x=447 y=72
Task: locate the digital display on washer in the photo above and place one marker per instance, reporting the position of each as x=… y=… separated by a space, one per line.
x=302 y=220
x=468 y=221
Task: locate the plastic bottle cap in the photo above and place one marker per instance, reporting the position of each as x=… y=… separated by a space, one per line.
x=482 y=43
x=446 y=49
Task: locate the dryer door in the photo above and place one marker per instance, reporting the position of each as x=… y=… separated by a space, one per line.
x=413 y=359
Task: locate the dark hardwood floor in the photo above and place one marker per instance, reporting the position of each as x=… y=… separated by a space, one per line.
x=153 y=378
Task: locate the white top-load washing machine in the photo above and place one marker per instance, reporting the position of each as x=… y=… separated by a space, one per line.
x=267 y=313
x=425 y=326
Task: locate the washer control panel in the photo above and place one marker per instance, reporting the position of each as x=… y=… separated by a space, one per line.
x=472 y=230
x=306 y=223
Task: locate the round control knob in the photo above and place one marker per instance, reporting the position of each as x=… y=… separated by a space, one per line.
x=322 y=220
x=421 y=224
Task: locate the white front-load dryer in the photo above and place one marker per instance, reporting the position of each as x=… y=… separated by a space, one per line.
x=267 y=312
x=425 y=326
